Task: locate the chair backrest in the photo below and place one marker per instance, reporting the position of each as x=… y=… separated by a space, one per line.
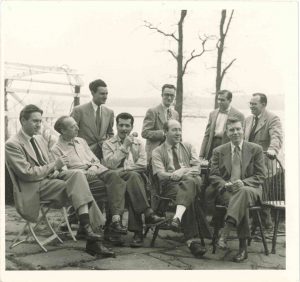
x=274 y=185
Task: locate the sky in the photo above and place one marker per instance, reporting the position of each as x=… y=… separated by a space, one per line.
x=109 y=41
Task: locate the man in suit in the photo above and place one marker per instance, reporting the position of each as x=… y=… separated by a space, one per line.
x=155 y=118
x=79 y=155
x=42 y=178
x=125 y=154
x=215 y=133
x=95 y=121
x=177 y=167
x=264 y=128
x=236 y=177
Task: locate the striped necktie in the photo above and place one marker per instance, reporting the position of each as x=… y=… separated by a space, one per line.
x=37 y=153
x=175 y=158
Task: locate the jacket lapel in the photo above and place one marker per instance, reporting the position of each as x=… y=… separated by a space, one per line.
x=43 y=149
x=248 y=126
x=246 y=158
x=161 y=114
x=103 y=121
x=91 y=119
x=28 y=149
x=214 y=120
x=261 y=122
x=227 y=157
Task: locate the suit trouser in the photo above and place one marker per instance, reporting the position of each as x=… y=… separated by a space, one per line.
x=238 y=204
x=71 y=187
x=136 y=199
x=185 y=192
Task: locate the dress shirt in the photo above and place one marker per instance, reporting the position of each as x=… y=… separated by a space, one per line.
x=253 y=120
x=78 y=152
x=95 y=107
x=166 y=111
x=233 y=146
x=221 y=122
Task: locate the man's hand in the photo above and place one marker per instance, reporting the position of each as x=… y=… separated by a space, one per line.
x=128 y=141
x=271 y=153
x=177 y=174
x=53 y=175
x=61 y=161
x=237 y=185
x=203 y=161
x=91 y=172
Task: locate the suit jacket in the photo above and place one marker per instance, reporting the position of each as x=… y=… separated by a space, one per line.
x=21 y=158
x=153 y=127
x=113 y=155
x=253 y=169
x=210 y=130
x=268 y=132
x=85 y=118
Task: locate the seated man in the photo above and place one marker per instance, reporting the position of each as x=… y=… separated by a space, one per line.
x=125 y=154
x=177 y=167
x=236 y=178
x=80 y=156
x=41 y=178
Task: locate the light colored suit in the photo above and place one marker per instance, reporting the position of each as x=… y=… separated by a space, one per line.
x=252 y=174
x=153 y=127
x=206 y=147
x=84 y=115
x=69 y=186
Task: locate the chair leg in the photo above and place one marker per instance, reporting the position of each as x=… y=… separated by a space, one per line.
x=214 y=239
x=36 y=238
x=274 y=239
x=253 y=229
x=262 y=233
x=65 y=214
x=17 y=240
x=147 y=228
x=154 y=236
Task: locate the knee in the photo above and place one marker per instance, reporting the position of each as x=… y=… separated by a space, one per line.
x=133 y=175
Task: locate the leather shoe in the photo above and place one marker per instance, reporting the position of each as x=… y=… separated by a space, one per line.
x=97 y=248
x=117 y=227
x=137 y=240
x=197 y=249
x=222 y=244
x=114 y=238
x=85 y=232
x=241 y=256
x=175 y=225
x=153 y=219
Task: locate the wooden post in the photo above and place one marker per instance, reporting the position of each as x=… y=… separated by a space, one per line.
x=77 y=98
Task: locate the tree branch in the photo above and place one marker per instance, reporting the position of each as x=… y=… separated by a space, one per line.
x=173 y=54
x=228 y=24
x=226 y=68
x=150 y=26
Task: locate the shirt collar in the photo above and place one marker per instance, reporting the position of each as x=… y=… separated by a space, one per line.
x=62 y=140
x=95 y=107
x=258 y=116
x=226 y=111
x=233 y=146
x=165 y=108
x=27 y=137
x=169 y=146
x=118 y=139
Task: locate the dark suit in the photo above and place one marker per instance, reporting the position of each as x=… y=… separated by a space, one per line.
x=253 y=175
x=152 y=129
x=207 y=143
x=36 y=186
x=84 y=115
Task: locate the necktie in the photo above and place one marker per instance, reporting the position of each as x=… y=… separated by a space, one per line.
x=252 y=133
x=37 y=153
x=169 y=114
x=223 y=112
x=236 y=170
x=175 y=158
x=98 y=119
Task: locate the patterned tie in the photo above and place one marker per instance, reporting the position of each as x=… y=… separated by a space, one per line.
x=252 y=134
x=175 y=158
x=169 y=114
x=37 y=153
x=98 y=119
x=236 y=170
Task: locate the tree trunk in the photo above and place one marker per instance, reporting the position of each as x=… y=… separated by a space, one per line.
x=179 y=92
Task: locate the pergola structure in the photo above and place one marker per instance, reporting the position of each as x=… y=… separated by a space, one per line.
x=17 y=73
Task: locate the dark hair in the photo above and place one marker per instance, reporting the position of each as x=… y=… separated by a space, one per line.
x=167 y=86
x=95 y=84
x=59 y=124
x=125 y=116
x=28 y=110
x=233 y=120
x=225 y=92
x=263 y=98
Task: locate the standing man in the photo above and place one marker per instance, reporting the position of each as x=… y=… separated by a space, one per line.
x=215 y=133
x=177 y=167
x=236 y=177
x=155 y=118
x=42 y=178
x=125 y=154
x=95 y=121
x=264 y=128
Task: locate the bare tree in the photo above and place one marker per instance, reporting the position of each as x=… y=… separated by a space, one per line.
x=181 y=64
x=220 y=47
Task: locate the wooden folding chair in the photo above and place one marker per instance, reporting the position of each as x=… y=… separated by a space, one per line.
x=45 y=206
